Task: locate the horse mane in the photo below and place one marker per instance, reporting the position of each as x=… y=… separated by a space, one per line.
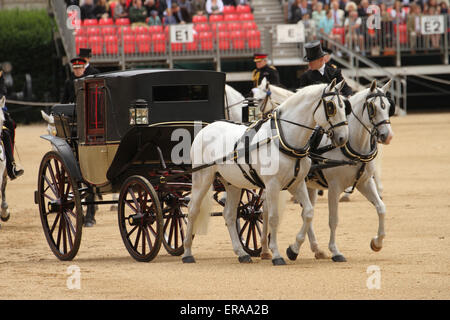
x=233 y=91
x=280 y=90
x=303 y=93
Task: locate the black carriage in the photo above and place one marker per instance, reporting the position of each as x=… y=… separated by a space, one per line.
x=119 y=137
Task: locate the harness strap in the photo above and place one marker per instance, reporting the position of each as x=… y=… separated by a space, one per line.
x=296 y=170
x=358 y=176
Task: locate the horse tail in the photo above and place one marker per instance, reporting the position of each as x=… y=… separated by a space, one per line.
x=202 y=220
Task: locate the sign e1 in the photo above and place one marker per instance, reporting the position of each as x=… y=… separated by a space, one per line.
x=289 y=33
x=181 y=33
x=432 y=24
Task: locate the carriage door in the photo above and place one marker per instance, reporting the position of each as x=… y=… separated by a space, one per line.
x=95 y=112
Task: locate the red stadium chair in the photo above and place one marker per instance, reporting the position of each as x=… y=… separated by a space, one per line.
x=224 y=40
x=215 y=18
x=106 y=22
x=192 y=46
x=199 y=19
x=129 y=44
x=201 y=27
x=234 y=26
x=243 y=9
x=127 y=30
x=80 y=42
x=206 y=41
x=140 y=30
x=177 y=47
x=80 y=31
x=90 y=22
x=230 y=17
x=155 y=29
x=249 y=25
x=254 y=39
x=96 y=45
x=122 y=22
x=159 y=42
x=93 y=31
x=238 y=40
x=246 y=17
x=144 y=43
x=229 y=9
x=108 y=31
x=111 y=44
x=112 y=7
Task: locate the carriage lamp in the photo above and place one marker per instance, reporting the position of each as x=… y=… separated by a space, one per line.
x=139 y=112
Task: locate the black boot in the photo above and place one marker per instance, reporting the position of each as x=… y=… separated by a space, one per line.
x=13 y=172
x=89 y=219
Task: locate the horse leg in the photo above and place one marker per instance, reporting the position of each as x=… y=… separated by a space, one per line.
x=230 y=215
x=318 y=254
x=90 y=214
x=201 y=182
x=5 y=212
x=333 y=203
x=272 y=197
x=265 y=253
x=369 y=190
x=301 y=193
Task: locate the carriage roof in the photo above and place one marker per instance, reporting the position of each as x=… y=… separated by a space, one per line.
x=172 y=95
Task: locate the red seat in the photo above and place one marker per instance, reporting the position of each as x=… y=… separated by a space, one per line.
x=111 y=44
x=403 y=33
x=229 y=9
x=80 y=31
x=339 y=31
x=122 y=22
x=177 y=47
x=140 y=30
x=80 y=42
x=155 y=29
x=192 y=46
x=234 y=26
x=206 y=41
x=243 y=9
x=159 y=42
x=92 y=31
x=143 y=42
x=90 y=22
x=246 y=17
x=199 y=19
x=249 y=25
x=224 y=40
x=128 y=44
x=254 y=39
x=108 y=31
x=215 y=18
x=201 y=27
x=126 y=30
x=106 y=22
x=112 y=7
x=238 y=40
x=230 y=17
x=96 y=45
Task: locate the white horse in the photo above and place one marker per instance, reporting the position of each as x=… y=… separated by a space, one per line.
x=5 y=215
x=319 y=104
x=369 y=119
x=270 y=96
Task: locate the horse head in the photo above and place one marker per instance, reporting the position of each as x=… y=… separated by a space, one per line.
x=269 y=96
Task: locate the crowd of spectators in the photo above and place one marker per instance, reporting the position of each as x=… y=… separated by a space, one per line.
x=351 y=16
x=152 y=12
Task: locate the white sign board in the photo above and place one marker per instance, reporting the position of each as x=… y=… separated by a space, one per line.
x=289 y=33
x=181 y=33
x=432 y=24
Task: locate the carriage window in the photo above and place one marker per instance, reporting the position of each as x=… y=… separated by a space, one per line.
x=95 y=113
x=180 y=93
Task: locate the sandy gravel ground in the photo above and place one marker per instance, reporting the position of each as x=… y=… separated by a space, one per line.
x=414 y=263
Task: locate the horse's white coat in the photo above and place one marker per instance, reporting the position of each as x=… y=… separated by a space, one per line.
x=3 y=175
x=298 y=108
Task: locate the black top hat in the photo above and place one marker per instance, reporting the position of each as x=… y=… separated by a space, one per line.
x=327 y=50
x=313 y=51
x=85 y=53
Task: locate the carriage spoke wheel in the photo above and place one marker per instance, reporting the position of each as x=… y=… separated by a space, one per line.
x=59 y=207
x=175 y=221
x=140 y=219
x=249 y=221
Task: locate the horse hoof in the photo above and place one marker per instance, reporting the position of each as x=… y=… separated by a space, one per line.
x=245 y=259
x=339 y=258
x=320 y=255
x=89 y=224
x=4 y=219
x=188 y=259
x=373 y=246
x=278 y=262
x=291 y=254
x=266 y=256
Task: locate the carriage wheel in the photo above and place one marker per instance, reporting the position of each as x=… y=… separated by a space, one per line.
x=175 y=221
x=249 y=221
x=140 y=219
x=60 y=207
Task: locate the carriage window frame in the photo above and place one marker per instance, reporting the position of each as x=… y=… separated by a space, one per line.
x=171 y=95
x=95 y=135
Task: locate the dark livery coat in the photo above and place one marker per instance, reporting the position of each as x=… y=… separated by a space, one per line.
x=331 y=72
x=90 y=70
x=268 y=72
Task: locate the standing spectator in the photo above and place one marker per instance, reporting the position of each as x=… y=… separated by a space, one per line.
x=398 y=15
x=87 y=10
x=318 y=13
x=435 y=38
x=150 y=5
x=214 y=7
x=198 y=7
x=310 y=28
x=296 y=12
x=325 y=26
x=185 y=10
x=229 y=3
x=413 y=26
x=444 y=7
x=337 y=13
x=362 y=8
x=154 y=19
x=353 y=34
x=305 y=8
x=137 y=12
x=387 y=27
x=120 y=11
x=171 y=15
x=101 y=9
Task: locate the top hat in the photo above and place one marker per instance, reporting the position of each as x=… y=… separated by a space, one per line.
x=327 y=50
x=85 y=53
x=78 y=62
x=257 y=57
x=313 y=51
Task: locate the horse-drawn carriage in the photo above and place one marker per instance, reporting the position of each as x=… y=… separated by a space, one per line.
x=129 y=133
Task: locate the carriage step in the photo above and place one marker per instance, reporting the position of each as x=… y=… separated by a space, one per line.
x=216 y=214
